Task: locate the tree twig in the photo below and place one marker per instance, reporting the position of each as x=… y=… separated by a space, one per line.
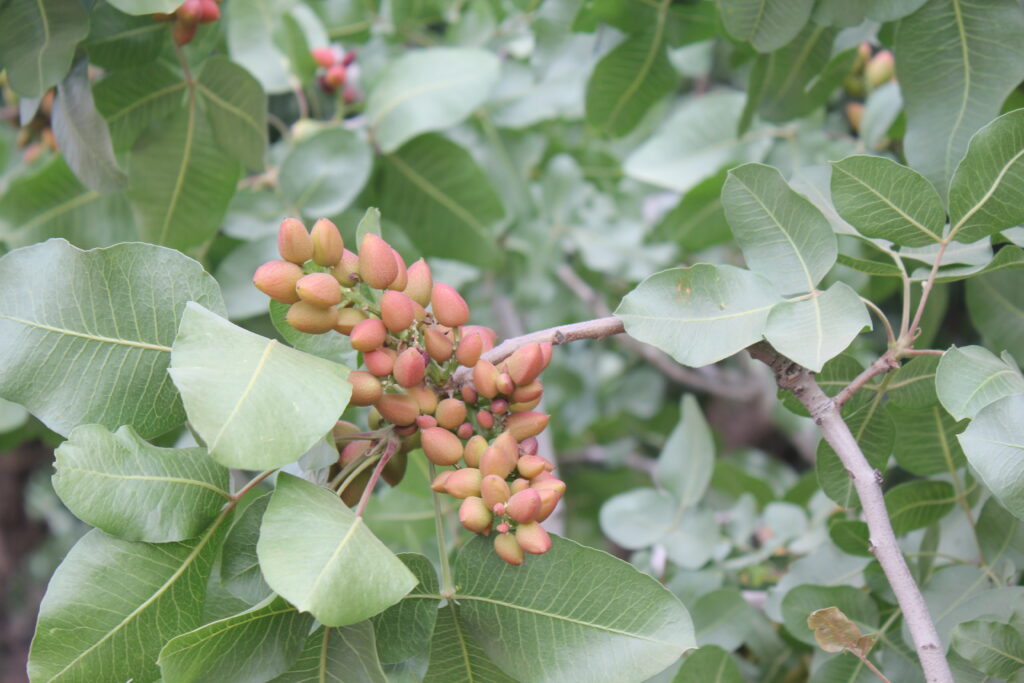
x=867 y=481
x=882 y=365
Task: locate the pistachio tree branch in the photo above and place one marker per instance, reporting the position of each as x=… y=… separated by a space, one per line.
x=867 y=481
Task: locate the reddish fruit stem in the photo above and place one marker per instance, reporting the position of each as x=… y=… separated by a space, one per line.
x=370 y=485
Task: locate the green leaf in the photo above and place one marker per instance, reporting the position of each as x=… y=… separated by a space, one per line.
x=337 y=655
x=428 y=90
x=694 y=143
x=180 y=182
x=890 y=10
x=956 y=62
x=455 y=655
x=255 y=645
x=239 y=565
x=112 y=604
x=434 y=190
x=255 y=402
x=323 y=173
x=630 y=79
x=993 y=648
x=121 y=484
x=709 y=664
x=85 y=335
x=984 y=195
x=800 y=602
x=971 y=377
x=701 y=314
x=957 y=594
x=82 y=135
x=994 y=444
x=644 y=517
x=918 y=504
x=816 y=330
x=251 y=25
x=132 y=99
x=38 y=40
x=535 y=619
x=117 y=40
x=145 y=6
x=765 y=24
x=723 y=618
x=404 y=630
x=884 y=199
x=784 y=237
x=237 y=110
x=872 y=426
x=851 y=536
x=995 y=303
x=319 y=555
x=698 y=220
x=926 y=440
x=913 y=385
x=685 y=464
x=51 y=202
x=1000 y=535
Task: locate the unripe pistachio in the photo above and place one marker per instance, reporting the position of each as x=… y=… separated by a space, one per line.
x=464 y=483
x=328 y=245
x=518 y=485
x=505 y=385
x=469 y=350
x=523 y=407
x=354 y=491
x=485 y=378
x=426 y=421
x=377 y=266
x=402 y=277
x=474 y=450
x=419 y=283
x=546 y=350
x=374 y=418
x=528 y=392
x=348 y=318
x=465 y=430
x=368 y=335
x=347 y=270
x=529 y=446
x=293 y=242
x=495 y=461
x=854 y=114
x=319 y=289
x=398 y=409
x=441 y=446
x=324 y=56
x=334 y=77
x=396 y=310
x=451 y=412
x=524 y=506
x=499 y=510
x=438 y=344
x=526 y=424
x=507 y=548
x=880 y=69
x=525 y=364
x=469 y=394
x=438 y=484
x=489 y=336
x=533 y=538
x=553 y=484
x=353 y=450
x=485 y=419
x=548 y=501
x=366 y=389
x=494 y=490
x=425 y=398
x=305 y=317
x=380 y=362
x=507 y=443
x=410 y=443
x=394 y=469
x=499 y=406
x=530 y=466
x=419 y=313
x=341 y=429
x=409 y=368
x=277 y=279
x=448 y=305
x=475 y=516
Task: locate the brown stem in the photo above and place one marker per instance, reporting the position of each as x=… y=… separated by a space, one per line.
x=882 y=365
x=867 y=481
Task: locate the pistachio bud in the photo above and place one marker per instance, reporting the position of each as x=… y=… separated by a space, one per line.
x=507 y=547
x=529 y=446
x=464 y=483
x=380 y=362
x=469 y=350
x=277 y=279
x=425 y=398
x=368 y=335
x=353 y=450
x=525 y=364
x=409 y=368
x=438 y=344
x=366 y=389
x=398 y=409
x=474 y=450
x=448 y=305
x=396 y=310
x=530 y=466
x=526 y=424
x=499 y=406
x=485 y=419
x=438 y=484
x=305 y=317
x=377 y=266
x=469 y=394
x=441 y=446
x=496 y=461
x=524 y=506
x=494 y=490
x=533 y=538
x=426 y=421
x=348 y=318
x=505 y=385
x=402 y=277
x=347 y=270
x=475 y=516
x=451 y=412
x=485 y=378
x=420 y=283
x=465 y=430
x=328 y=246
x=499 y=511
x=319 y=289
x=293 y=242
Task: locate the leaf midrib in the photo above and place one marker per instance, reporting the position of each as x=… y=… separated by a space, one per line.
x=257 y=371
x=913 y=221
x=645 y=68
x=85 y=335
x=441 y=197
x=147 y=477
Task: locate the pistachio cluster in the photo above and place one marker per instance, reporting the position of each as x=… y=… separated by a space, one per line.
x=413 y=334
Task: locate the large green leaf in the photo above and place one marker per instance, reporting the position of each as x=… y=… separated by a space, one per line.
x=918 y=504
x=784 y=237
x=404 y=630
x=985 y=193
x=815 y=330
x=132 y=99
x=119 y=483
x=442 y=199
x=644 y=517
x=428 y=90
x=323 y=173
x=698 y=220
x=145 y=6
x=239 y=565
x=251 y=25
x=889 y=10
x=856 y=604
x=337 y=655
x=709 y=664
x=85 y=336
x=971 y=377
x=695 y=142
x=993 y=648
x=318 y=554
x=766 y=24
x=38 y=40
x=913 y=385
x=112 y=604
x=630 y=79
x=995 y=303
x=455 y=654
x=237 y=110
x=723 y=618
x=686 y=462
x=994 y=445
x=250 y=647
x=1000 y=535
x=118 y=40
x=255 y=402
x=535 y=619
x=926 y=440
x=701 y=314
x=956 y=62
x=884 y=199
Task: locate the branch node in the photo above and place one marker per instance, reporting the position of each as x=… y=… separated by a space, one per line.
x=879 y=479
x=559 y=338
